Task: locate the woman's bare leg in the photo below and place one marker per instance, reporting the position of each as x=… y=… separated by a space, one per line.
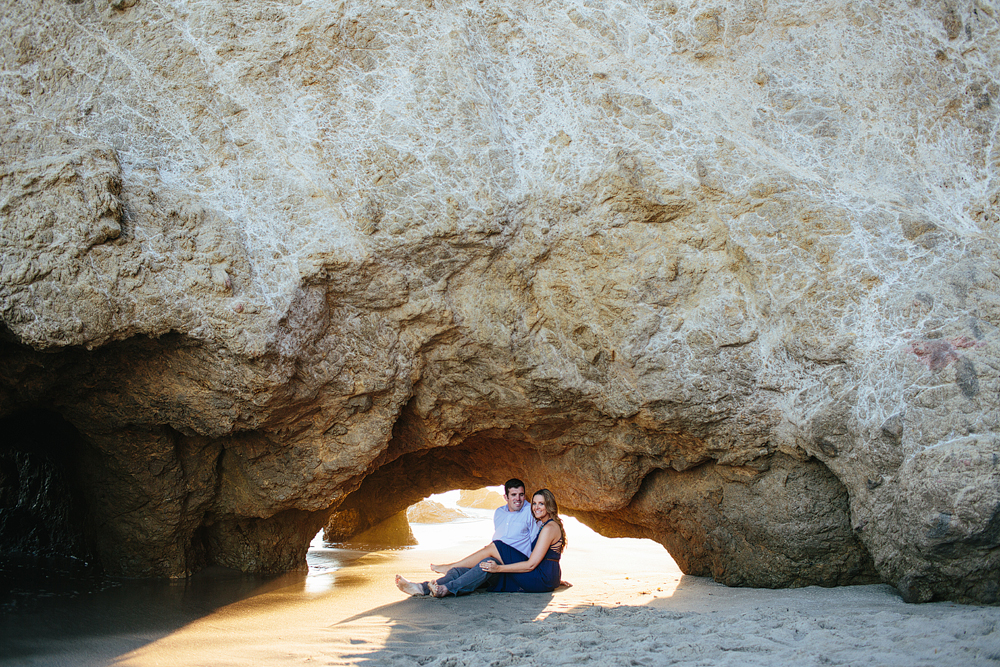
x=489 y=551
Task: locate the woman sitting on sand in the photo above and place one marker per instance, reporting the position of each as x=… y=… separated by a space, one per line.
x=505 y=568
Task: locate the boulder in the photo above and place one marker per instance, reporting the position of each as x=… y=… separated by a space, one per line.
x=722 y=276
x=394 y=532
x=430 y=511
x=484 y=499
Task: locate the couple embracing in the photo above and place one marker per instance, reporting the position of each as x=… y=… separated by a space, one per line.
x=523 y=557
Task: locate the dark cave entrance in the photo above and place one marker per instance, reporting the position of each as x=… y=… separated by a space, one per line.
x=43 y=515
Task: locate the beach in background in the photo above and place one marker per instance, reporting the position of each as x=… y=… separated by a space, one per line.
x=628 y=605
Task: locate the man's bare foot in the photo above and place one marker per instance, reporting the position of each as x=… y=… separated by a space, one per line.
x=437 y=590
x=408 y=587
x=440 y=569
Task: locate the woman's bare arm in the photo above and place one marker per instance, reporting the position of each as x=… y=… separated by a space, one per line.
x=489 y=551
x=550 y=535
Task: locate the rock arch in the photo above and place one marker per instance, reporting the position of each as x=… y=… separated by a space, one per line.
x=146 y=502
x=786 y=523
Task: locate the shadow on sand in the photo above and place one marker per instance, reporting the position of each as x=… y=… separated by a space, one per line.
x=419 y=628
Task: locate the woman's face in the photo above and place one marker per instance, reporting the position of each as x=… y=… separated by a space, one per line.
x=538 y=507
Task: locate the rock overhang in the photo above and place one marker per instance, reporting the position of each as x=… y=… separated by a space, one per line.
x=669 y=279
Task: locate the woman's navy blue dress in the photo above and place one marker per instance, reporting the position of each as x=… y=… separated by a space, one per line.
x=544 y=578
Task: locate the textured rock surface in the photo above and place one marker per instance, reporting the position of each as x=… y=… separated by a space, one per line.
x=723 y=275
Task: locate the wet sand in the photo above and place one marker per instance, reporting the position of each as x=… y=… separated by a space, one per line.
x=628 y=605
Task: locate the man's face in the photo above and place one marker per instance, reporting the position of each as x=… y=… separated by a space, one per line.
x=515 y=498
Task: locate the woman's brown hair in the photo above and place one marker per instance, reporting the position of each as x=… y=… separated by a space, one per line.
x=553 y=509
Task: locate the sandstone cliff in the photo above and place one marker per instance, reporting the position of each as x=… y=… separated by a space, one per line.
x=723 y=275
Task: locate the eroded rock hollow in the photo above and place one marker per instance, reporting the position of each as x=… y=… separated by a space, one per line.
x=721 y=275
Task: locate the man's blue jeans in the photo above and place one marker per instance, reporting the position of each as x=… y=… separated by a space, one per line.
x=463 y=580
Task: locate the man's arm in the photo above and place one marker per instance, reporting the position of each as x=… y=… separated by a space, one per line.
x=498 y=522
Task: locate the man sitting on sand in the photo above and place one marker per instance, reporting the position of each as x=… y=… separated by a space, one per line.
x=514 y=525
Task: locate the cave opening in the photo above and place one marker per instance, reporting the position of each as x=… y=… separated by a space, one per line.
x=42 y=510
x=457 y=521
x=780 y=522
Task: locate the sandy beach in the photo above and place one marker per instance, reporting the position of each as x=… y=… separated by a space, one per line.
x=628 y=605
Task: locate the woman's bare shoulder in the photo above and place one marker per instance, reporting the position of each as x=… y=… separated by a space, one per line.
x=550 y=529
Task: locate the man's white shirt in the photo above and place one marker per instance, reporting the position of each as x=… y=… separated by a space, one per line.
x=516 y=529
